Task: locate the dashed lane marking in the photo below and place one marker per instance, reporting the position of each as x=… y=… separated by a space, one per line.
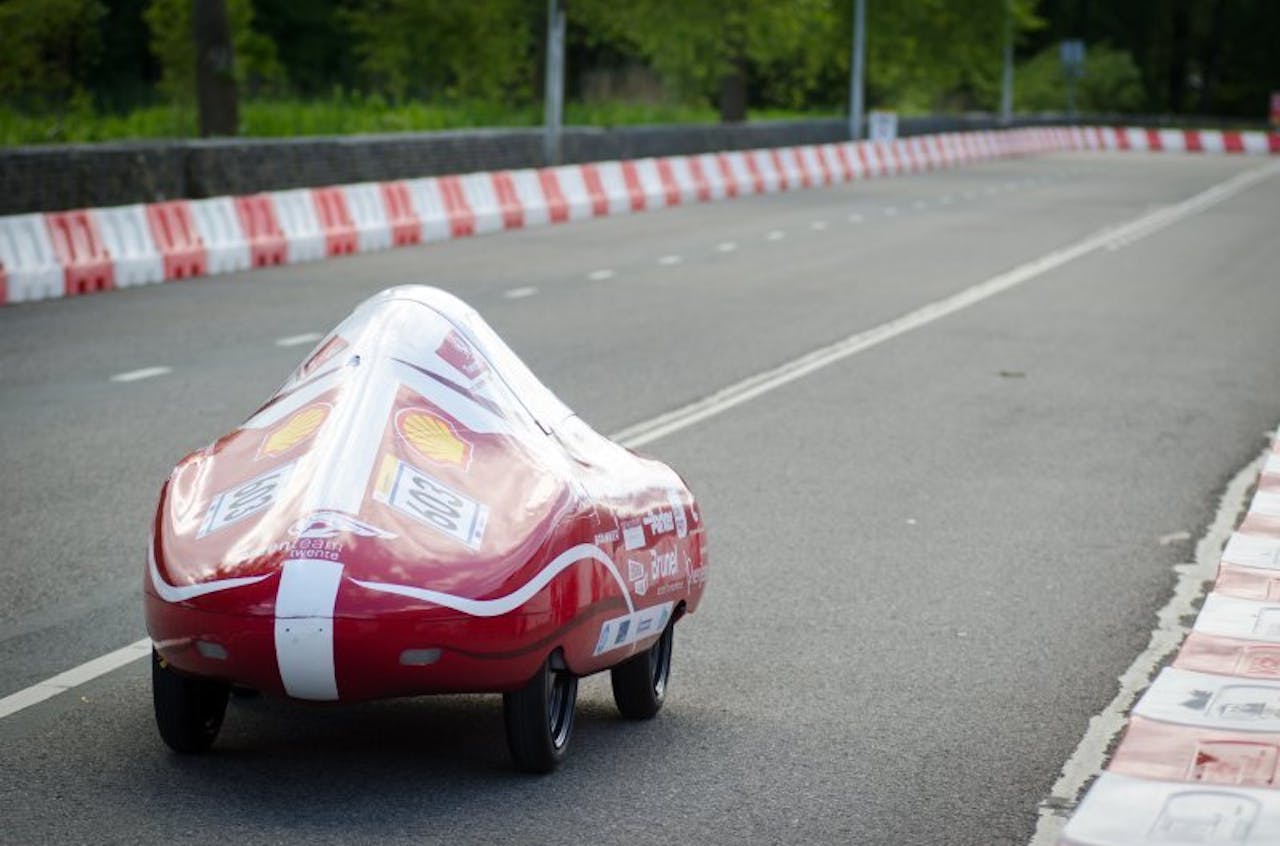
x=600 y=275
x=296 y=340
x=727 y=246
x=668 y=261
x=775 y=235
x=144 y=373
x=521 y=293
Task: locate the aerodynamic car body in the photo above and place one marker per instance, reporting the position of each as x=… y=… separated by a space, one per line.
x=413 y=512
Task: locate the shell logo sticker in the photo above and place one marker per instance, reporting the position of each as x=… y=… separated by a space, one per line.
x=433 y=437
x=299 y=428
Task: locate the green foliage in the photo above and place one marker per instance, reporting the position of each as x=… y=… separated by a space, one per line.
x=693 y=45
x=1111 y=82
x=47 y=48
x=445 y=48
x=173 y=45
x=341 y=114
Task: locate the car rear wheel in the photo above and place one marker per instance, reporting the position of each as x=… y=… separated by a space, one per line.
x=189 y=711
x=640 y=682
x=539 y=718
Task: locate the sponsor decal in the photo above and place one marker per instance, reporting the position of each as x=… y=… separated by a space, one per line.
x=637 y=574
x=633 y=535
x=331 y=348
x=660 y=522
x=455 y=350
x=677 y=509
x=433 y=437
x=627 y=629
x=245 y=499
x=1205 y=816
x=663 y=565
x=607 y=538
x=431 y=502
x=299 y=428
x=328 y=524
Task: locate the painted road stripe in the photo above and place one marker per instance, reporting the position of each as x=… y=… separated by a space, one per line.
x=74 y=677
x=520 y=293
x=144 y=373
x=668 y=261
x=296 y=340
x=1089 y=756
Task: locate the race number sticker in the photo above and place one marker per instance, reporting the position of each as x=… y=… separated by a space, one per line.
x=406 y=488
x=232 y=506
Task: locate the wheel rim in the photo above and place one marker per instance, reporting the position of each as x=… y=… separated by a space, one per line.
x=660 y=663
x=560 y=704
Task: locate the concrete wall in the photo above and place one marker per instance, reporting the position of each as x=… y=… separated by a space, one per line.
x=52 y=178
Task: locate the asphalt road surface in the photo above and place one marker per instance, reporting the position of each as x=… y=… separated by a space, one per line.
x=930 y=559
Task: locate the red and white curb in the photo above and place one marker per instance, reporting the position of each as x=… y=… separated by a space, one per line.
x=62 y=254
x=1199 y=760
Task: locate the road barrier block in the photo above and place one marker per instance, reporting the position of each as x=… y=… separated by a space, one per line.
x=86 y=264
x=32 y=270
x=368 y=212
x=614 y=188
x=504 y=190
x=744 y=172
x=573 y=191
x=533 y=200
x=590 y=176
x=296 y=212
x=688 y=176
x=636 y=192
x=334 y=219
x=430 y=209
x=406 y=229
x=553 y=194
x=462 y=219
x=126 y=234
x=226 y=245
x=658 y=181
x=481 y=200
x=177 y=239
x=260 y=223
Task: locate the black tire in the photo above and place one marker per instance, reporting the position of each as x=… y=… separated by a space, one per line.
x=189 y=710
x=640 y=682
x=539 y=718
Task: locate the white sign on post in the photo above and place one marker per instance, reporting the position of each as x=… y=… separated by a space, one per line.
x=882 y=126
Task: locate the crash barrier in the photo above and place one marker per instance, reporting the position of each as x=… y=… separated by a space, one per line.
x=75 y=252
x=1199 y=761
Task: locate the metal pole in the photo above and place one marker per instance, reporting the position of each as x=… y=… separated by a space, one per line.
x=856 y=63
x=1006 y=85
x=553 y=94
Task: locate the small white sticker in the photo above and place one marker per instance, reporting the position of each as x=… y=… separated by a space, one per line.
x=629 y=628
x=633 y=535
x=235 y=504
x=677 y=508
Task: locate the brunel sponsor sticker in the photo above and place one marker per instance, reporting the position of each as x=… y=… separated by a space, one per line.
x=432 y=503
x=246 y=498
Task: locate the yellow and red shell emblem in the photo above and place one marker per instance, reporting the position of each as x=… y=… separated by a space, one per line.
x=433 y=437
x=300 y=427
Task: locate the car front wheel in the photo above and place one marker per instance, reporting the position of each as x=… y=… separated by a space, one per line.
x=189 y=710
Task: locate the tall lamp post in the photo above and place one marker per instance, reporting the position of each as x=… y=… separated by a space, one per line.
x=553 y=93
x=856 y=63
x=1006 y=81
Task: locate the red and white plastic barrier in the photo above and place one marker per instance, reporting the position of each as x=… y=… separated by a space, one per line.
x=1199 y=761
x=74 y=252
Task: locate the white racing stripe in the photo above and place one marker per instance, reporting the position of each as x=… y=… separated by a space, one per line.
x=1090 y=755
x=305 y=602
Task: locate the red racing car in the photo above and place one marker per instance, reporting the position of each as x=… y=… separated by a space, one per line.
x=413 y=512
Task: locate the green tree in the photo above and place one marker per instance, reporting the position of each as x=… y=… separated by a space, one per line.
x=1111 y=82
x=47 y=49
x=445 y=48
x=256 y=67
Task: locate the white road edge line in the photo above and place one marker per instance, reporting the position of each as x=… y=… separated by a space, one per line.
x=648 y=431
x=296 y=340
x=76 y=676
x=521 y=293
x=144 y=373
x=1095 y=747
